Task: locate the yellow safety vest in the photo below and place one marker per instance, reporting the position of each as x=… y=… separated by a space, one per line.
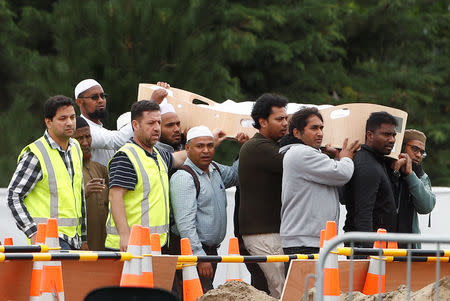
x=56 y=195
x=148 y=203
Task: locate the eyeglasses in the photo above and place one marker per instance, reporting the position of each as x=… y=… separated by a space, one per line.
x=95 y=96
x=417 y=150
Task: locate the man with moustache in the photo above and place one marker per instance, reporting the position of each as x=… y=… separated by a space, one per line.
x=200 y=211
x=369 y=196
x=260 y=172
x=95 y=178
x=171 y=136
x=91 y=99
x=139 y=182
x=310 y=183
x=412 y=184
x=48 y=181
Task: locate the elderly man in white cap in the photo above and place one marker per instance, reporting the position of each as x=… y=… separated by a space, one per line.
x=91 y=99
x=171 y=136
x=198 y=197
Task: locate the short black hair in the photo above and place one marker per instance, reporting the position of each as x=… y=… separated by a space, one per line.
x=263 y=106
x=300 y=118
x=142 y=106
x=376 y=119
x=54 y=103
x=81 y=122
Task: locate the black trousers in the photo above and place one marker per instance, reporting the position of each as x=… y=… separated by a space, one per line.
x=297 y=250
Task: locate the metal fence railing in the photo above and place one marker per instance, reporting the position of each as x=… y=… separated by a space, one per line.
x=352 y=237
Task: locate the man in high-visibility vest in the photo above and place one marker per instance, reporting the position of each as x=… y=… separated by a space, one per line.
x=139 y=183
x=48 y=181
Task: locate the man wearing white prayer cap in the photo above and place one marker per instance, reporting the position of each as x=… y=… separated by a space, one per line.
x=198 y=198
x=91 y=99
x=171 y=136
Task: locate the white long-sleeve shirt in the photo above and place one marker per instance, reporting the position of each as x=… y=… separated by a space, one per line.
x=106 y=142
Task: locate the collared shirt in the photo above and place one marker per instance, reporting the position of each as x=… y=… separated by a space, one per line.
x=28 y=173
x=202 y=220
x=106 y=142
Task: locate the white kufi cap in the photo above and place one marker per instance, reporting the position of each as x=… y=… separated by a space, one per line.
x=84 y=85
x=199 y=131
x=166 y=108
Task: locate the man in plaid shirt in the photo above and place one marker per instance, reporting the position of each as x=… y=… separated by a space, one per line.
x=48 y=181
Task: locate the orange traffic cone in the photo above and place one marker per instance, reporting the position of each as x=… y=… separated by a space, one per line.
x=392 y=245
x=331 y=284
x=147 y=266
x=8 y=241
x=36 y=273
x=192 y=287
x=52 y=283
x=322 y=237
x=233 y=268
x=376 y=275
x=51 y=236
x=156 y=243
x=132 y=269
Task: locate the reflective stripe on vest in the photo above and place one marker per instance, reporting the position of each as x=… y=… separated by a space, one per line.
x=50 y=193
x=146 y=197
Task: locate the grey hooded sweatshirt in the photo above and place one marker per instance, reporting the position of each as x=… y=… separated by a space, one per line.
x=309 y=194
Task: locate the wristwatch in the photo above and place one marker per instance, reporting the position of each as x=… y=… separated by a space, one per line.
x=396 y=173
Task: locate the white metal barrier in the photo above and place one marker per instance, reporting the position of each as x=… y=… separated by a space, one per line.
x=370 y=237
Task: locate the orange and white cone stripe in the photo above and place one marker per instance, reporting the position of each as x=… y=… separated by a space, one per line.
x=52 y=283
x=192 y=287
x=51 y=237
x=132 y=269
x=233 y=269
x=36 y=273
x=51 y=286
x=331 y=283
x=376 y=274
x=147 y=265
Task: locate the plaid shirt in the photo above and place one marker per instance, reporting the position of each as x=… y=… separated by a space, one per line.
x=28 y=173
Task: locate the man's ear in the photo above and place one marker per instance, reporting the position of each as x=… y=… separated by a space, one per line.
x=48 y=122
x=79 y=101
x=297 y=134
x=369 y=136
x=134 y=124
x=263 y=122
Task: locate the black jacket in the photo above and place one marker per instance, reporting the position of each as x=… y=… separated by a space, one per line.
x=369 y=196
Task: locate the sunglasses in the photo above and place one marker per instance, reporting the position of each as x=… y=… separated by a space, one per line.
x=417 y=150
x=95 y=96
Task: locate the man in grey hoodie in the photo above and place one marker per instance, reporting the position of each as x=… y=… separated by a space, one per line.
x=309 y=194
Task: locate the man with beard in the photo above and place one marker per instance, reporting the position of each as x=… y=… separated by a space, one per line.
x=96 y=190
x=171 y=136
x=48 y=181
x=260 y=172
x=368 y=196
x=91 y=99
x=139 y=182
x=412 y=184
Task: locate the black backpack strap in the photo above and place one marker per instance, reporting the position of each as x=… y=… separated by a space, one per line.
x=194 y=177
x=217 y=167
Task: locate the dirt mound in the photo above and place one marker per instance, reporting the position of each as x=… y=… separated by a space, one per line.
x=427 y=293
x=234 y=291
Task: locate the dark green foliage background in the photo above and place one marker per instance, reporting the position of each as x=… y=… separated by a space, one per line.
x=389 y=52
